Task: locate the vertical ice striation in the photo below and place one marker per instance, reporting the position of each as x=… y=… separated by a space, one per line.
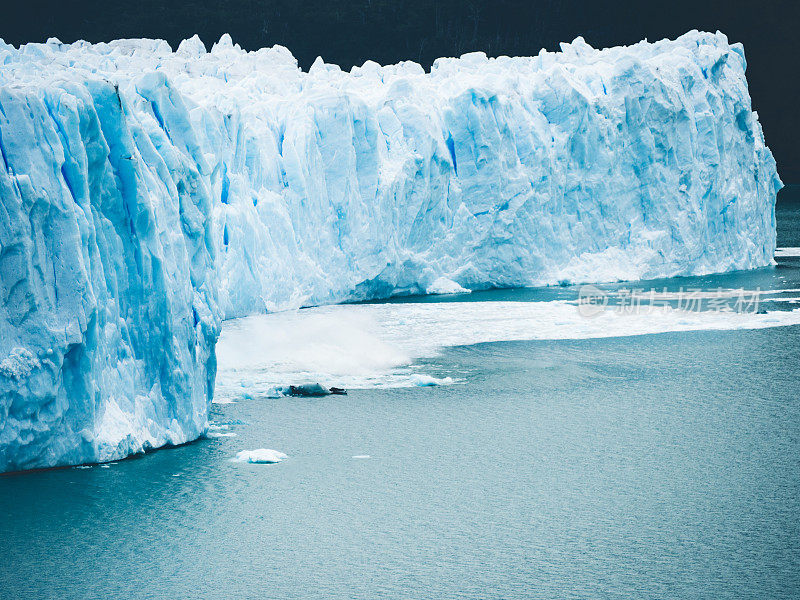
x=109 y=312
x=147 y=194
x=579 y=166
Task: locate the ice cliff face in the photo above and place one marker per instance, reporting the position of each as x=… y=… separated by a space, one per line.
x=109 y=310
x=147 y=194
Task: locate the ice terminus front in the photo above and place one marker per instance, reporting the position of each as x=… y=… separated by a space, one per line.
x=148 y=194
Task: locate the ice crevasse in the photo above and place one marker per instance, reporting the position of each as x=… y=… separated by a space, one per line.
x=149 y=194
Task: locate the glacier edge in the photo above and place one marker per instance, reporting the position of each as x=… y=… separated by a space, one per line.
x=148 y=194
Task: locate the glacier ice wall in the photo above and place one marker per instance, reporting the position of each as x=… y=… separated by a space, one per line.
x=147 y=194
x=579 y=166
x=109 y=300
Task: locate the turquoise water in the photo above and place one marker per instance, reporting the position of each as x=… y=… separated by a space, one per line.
x=655 y=466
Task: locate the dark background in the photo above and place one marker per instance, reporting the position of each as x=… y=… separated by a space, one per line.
x=348 y=32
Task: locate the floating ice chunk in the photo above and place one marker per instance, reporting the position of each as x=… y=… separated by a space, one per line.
x=260 y=456
x=362 y=456
x=218 y=431
x=443 y=285
x=225 y=399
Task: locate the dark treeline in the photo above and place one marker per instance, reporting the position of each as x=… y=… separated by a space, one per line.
x=348 y=32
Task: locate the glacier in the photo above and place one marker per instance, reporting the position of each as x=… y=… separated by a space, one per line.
x=148 y=195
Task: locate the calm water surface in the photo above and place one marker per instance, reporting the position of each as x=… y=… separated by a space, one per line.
x=658 y=466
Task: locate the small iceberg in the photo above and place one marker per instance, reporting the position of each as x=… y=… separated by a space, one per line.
x=260 y=456
x=445 y=286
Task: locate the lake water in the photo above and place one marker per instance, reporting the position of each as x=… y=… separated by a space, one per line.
x=642 y=466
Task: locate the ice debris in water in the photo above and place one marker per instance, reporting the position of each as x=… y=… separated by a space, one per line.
x=260 y=456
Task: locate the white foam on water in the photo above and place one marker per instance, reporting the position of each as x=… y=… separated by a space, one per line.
x=260 y=355
x=422 y=380
x=790 y=299
x=375 y=345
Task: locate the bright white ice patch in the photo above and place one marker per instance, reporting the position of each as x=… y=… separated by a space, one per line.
x=260 y=456
x=375 y=345
x=786 y=252
x=443 y=285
